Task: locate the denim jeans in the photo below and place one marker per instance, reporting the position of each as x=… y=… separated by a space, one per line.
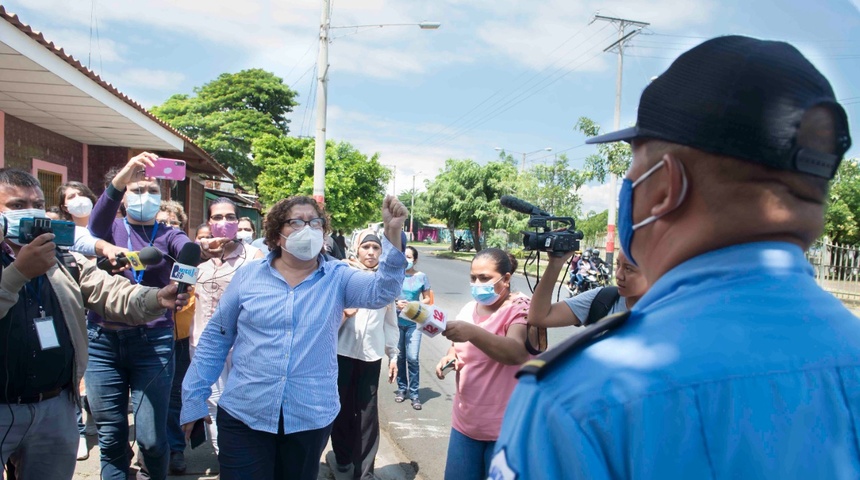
x=410 y=343
x=252 y=454
x=141 y=360
x=182 y=359
x=468 y=458
x=41 y=439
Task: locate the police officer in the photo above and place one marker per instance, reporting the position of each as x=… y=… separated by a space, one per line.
x=735 y=364
x=44 y=338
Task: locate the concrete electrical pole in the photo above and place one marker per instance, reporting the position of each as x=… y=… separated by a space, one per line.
x=618 y=45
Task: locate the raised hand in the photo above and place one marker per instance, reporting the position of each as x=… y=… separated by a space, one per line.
x=134 y=170
x=37 y=257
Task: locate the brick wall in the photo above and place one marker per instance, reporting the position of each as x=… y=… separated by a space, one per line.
x=102 y=159
x=25 y=141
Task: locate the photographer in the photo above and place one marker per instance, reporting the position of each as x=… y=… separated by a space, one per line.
x=589 y=306
x=42 y=304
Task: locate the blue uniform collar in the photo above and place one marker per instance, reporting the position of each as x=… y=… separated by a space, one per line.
x=728 y=264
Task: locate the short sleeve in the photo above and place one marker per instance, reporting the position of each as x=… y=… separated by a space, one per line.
x=581 y=304
x=426 y=282
x=519 y=311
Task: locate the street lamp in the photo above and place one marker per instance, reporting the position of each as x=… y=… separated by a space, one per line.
x=322 y=91
x=524 y=154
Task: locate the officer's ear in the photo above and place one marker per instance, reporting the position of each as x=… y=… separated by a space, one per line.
x=672 y=190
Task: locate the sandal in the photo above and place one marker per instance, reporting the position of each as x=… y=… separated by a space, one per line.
x=416 y=404
x=399 y=397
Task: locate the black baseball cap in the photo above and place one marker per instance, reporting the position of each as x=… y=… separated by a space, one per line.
x=740 y=97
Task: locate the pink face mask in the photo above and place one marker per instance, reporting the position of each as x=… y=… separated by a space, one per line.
x=224 y=229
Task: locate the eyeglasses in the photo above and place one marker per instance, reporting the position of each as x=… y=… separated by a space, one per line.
x=315 y=223
x=229 y=218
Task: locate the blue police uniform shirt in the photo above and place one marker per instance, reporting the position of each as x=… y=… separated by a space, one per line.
x=735 y=364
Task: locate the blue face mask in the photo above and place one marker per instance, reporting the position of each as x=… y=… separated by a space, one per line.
x=142 y=207
x=485 y=293
x=13 y=221
x=625 y=209
x=409 y=265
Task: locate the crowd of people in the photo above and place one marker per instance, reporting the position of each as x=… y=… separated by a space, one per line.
x=714 y=355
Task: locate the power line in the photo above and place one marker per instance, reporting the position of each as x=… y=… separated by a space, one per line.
x=440 y=132
x=503 y=105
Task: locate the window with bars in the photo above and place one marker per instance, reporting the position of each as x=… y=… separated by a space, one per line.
x=50 y=182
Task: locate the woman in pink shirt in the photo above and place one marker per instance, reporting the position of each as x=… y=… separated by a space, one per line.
x=488 y=348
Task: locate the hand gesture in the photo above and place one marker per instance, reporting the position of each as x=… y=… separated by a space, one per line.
x=134 y=170
x=394 y=213
x=168 y=298
x=186 y=428
x=392 y=371
x=444 y=361
x=37 y=257
x=213 y=246
x=459 y=331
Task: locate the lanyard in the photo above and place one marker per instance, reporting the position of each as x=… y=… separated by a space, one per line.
x=138 y=275
x=36 y=292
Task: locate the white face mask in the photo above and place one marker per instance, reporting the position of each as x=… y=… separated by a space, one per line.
x=245 y=237
x=305 y=244
x=79 y=206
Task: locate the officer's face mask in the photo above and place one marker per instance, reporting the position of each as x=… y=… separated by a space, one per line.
x=625 y=208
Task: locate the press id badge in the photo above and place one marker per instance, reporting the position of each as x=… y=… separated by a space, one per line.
x=47 y=333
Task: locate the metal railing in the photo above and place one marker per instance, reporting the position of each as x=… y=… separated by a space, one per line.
x=837 y=268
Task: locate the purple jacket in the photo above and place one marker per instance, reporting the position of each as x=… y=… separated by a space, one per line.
x=104 y=224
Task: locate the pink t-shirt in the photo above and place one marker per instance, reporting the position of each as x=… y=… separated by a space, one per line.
x=483 y=384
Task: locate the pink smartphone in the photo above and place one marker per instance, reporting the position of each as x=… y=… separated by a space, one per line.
x=168 y=168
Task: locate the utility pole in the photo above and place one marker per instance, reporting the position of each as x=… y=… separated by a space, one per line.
x=322 y=92
x=618 y=45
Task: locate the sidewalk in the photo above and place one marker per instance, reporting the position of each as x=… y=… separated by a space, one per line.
x=391 y=464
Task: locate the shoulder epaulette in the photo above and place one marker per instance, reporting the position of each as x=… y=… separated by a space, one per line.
x=544 y=362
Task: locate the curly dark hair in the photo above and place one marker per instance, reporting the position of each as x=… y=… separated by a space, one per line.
x=505 y=262
x=280 y=212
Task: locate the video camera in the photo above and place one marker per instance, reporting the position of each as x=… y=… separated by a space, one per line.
x=30 y=228
x=543 y=239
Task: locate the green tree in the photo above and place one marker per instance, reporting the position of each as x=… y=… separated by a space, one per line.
x=466 y=194
x=842 y=219
x=593 y=225
x=610 y=157
x=553 y=187
x=226 y=115
x=355 y=184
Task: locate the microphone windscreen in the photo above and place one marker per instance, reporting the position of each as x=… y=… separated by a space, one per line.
x=189 y=255
x=150 y=256
x=415 y=311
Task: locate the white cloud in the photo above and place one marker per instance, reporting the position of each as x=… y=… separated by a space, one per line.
x=148 y=79
x=596 y=197
x=80 y=45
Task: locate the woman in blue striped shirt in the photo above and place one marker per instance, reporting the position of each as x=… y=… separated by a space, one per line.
x=281 y=316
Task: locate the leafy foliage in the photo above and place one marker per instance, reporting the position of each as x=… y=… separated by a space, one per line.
x=553 y=187
x=842 y=219
x=226 y=115
x=355 y=184
x=610 y=157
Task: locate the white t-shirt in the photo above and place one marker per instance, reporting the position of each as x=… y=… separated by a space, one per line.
x=581 y=304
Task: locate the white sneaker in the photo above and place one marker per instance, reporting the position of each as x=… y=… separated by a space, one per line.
x=83 y=451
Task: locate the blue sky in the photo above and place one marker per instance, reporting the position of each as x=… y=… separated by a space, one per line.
x=498 y=73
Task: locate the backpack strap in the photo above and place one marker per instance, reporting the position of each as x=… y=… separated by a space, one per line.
x=602 y=304
x=70 y=264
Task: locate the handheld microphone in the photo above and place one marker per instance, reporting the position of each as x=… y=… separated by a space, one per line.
x=430 y=320
x=184 y=271
x=521 y=206
x=138 y=260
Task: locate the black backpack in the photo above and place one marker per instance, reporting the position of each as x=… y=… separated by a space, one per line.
x=602 y=304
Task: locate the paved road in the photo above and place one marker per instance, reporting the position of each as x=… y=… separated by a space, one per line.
x=423 y=435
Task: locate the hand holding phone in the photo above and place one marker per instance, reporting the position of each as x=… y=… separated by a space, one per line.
x=448 y=367
x=168 y=168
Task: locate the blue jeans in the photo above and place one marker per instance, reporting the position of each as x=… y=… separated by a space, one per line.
x=409 y=346
x=468 y=458
x=141 y=360
x=182 y=359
